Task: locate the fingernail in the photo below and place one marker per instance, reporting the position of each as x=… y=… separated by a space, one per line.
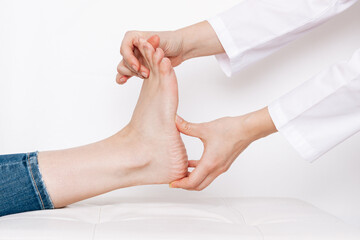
x=179 y=119
x=134 y=68
x=170 y=185
x=144 y=74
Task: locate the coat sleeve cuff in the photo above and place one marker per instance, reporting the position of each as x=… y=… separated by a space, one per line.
x=227 y=42
x=291 y=134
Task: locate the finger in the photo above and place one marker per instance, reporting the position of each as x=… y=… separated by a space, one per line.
x=190 y=129
x=133 y=73
x=144 y=71
x=155 y=42
x=207 y=181
x=127 y=51
x=193 y=163
x=124 y=70
x=120 y=79
x=124 y=73
x=141 y=46
x=193 y=180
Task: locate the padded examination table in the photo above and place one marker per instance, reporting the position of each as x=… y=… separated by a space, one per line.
x=215 y=218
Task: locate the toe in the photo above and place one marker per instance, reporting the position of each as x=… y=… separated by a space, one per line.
x=158 y=56
x=149 y=53
x=156 y=59
x=165 y=66
x=144 y=49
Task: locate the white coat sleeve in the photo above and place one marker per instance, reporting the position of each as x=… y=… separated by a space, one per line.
x=323 y=111
x=254 y=29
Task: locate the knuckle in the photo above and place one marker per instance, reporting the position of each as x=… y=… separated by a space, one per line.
x=122 y=50
x=143 y=44
x=222 y=170
x=129 y=33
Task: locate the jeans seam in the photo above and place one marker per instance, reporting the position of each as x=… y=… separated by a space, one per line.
x=44 y=183
x=32 y=176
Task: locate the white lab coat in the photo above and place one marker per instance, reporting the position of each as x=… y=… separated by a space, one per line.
x=324 y=110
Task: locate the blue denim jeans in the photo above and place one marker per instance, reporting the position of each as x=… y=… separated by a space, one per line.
x=21 y=186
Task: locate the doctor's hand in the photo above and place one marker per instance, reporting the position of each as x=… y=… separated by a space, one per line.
x=189 y=42
x=224 y=140
x=133 y=63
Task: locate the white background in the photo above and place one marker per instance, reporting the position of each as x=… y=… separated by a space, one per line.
x=57 y=90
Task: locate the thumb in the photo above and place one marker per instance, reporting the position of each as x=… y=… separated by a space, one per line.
x=182 y=183
x=154 y=40
x=187 y=128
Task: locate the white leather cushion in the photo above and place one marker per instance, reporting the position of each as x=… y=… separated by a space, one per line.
x=231 y=218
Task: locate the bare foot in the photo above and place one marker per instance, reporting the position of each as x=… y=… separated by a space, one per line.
x=153 y=122
x=149 y=150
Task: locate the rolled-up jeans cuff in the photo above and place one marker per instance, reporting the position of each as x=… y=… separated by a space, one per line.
x=22 y=187
x=37 y=181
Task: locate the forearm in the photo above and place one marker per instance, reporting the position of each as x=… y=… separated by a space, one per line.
x=199 y=40
x=257 y=124
x=231 y=29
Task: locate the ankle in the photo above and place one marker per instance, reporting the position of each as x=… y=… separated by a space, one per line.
x=131 y=157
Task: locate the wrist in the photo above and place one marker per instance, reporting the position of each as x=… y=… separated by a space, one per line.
x=187 y=51
x=259 y=124
x=199 y=40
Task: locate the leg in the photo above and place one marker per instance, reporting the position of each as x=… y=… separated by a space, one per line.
x=21 y=186
x=149 y=150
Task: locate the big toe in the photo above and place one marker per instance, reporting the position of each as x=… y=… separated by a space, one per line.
x=147 y=51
